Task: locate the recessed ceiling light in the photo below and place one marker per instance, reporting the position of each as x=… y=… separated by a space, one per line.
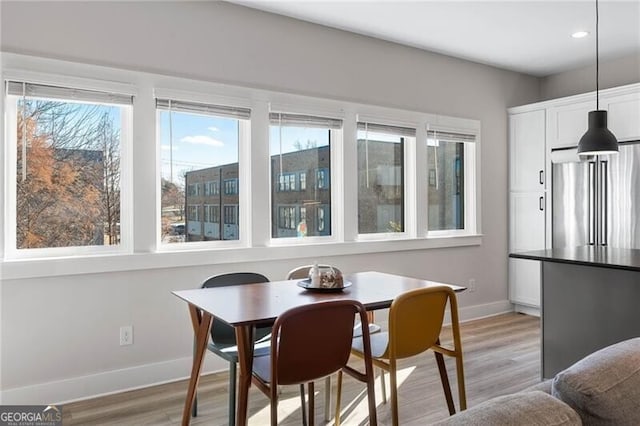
x=580 y=34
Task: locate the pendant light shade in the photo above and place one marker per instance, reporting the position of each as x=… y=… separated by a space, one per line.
x=598 y=140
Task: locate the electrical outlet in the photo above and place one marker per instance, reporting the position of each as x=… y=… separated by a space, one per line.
x=472 y=285
x=126 y=335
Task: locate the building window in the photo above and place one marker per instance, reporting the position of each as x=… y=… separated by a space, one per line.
x=193 y=213
x=299 y=143
x=287 y=182
x=199 y=149
x=211 y=213
x=287 y=218
x=231 y=215
x=381 y=177
x=66 y=148
x=322 y=178
x=303 y=181
x=231 y=187
x=447 y=157
x=211 y=188
x=321 y=218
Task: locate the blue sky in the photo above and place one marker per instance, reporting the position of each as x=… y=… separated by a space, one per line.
x=201 y=141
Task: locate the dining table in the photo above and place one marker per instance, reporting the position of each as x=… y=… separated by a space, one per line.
x=247 y=306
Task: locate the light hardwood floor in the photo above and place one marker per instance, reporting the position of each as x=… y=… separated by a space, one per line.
x=502 y=355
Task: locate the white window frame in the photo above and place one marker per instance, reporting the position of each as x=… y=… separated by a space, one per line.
x=10 y=102
x=471 y=182
x=243 y=181
x=141 y=248
x=409 y=150
x=336 y=138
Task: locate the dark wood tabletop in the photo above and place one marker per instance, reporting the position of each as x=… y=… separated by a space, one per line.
x=262 y=303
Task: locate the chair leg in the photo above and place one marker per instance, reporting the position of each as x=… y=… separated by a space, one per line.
x=384 y=386
x=232 y=393
x=194 y=410
x=327 y=399
x=303 y=404
x=394 y=392
x=444 y=378
x=274 y=405
x=312 y=404
x=338 y=396
x=461 y=389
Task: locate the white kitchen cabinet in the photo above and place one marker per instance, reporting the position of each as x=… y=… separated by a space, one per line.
x=528 y=221
x=624 y=116
x=527 y=151
x=527 y=231
x=567 y=123
x=524 y=282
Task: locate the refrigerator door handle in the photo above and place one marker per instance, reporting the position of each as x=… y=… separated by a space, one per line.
x=592 y=203
x=603 y=202
x=541 y=204
x=541 y=177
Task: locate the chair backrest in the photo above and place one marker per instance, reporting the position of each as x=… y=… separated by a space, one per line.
x=415 y=320
x=313 y=341
x=222 y=333
x=302 y=272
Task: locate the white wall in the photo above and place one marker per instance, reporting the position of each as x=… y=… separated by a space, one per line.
x=613 y=73
x=60 y=334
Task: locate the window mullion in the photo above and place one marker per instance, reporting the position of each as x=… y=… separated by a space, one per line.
x=349 y=167
x=258 y=171
x=145 y=203
x=421 y=189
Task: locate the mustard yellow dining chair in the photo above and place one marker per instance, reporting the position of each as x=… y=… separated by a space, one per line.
x=415 y=322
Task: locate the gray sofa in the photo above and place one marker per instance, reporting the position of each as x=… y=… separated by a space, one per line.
x=601 y=389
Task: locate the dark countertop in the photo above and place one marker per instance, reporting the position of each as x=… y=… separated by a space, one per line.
x=606 y=257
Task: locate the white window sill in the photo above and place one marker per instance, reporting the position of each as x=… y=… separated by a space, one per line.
x=77 y=265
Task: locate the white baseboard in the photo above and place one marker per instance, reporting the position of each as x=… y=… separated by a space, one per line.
x=108 y=382
x=115 y=381
x=529 y=310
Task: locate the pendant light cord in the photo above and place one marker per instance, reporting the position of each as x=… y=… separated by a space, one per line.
x=597 y=62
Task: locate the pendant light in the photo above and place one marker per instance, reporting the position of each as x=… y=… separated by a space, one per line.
x=598 y=140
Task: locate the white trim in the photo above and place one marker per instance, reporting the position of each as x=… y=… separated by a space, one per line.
x=32 y=268
x=142 y=376
x=146 y=248
x=70 y=81
x=582 y=97
x=107 y=383
x=528 y=310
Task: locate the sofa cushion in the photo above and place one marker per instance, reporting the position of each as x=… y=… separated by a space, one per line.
x=523 y=408
x=604 y=387
x=544 y=386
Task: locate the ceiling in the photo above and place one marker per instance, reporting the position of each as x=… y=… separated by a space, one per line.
x=532 y=37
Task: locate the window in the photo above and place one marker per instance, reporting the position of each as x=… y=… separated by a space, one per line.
x=287 y=182
x=231 y=187
x=322 y=179
x=381 y=177
x=211 y=188
x=211 y=213
x=303 y=181
x=287 y=219
x=199 y=149
x=231 y=215
x=66 y=152
x=447 y=154
x=322 y=212
x=300 y=144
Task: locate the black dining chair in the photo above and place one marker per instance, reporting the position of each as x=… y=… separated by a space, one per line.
x=223 y=336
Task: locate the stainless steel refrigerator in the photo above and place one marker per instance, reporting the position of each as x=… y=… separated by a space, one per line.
x=596 y=200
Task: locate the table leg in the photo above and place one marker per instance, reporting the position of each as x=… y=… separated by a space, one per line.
x=244 y=340
x=201 y=322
